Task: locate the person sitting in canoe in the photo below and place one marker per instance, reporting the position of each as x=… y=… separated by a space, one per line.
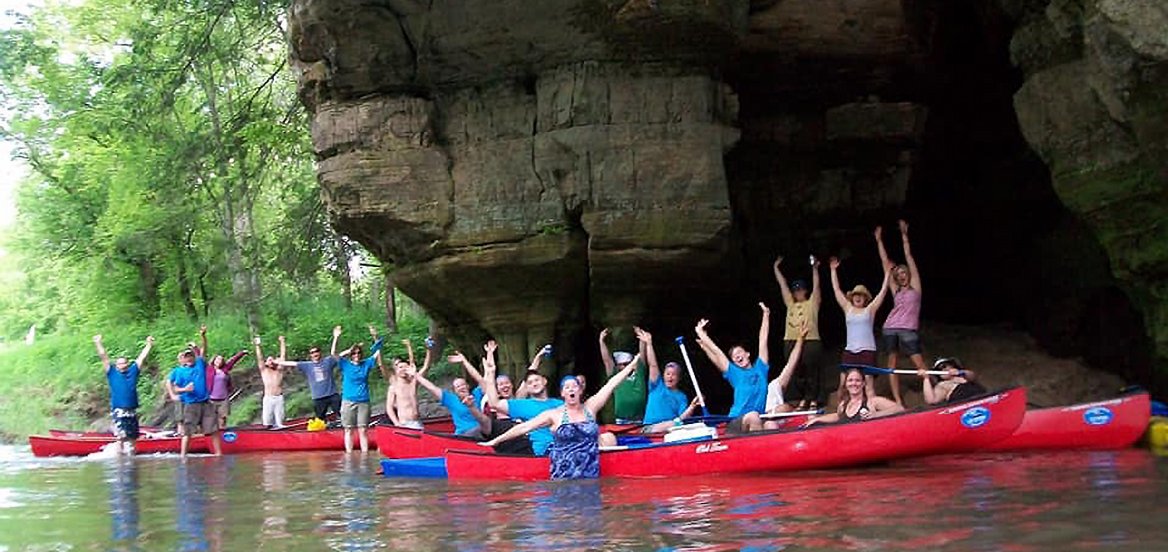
x=855 y=404
x=748 y=379
x=958 y=385
x=575 y=450
x=499 y=421
x=859 y=314
x=469 y=421
x=630 y=398
x=401 y=399
x=774 y=398
x=536 y=403
x=122 y=376
x=667 y=405
x=355 y=390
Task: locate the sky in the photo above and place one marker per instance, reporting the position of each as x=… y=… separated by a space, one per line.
x=11 y=171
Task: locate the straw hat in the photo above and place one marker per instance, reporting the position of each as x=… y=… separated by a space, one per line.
x=860 y=290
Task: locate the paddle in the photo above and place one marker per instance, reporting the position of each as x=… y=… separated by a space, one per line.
x=689 y=366
x=875 y=370
x=790 y=414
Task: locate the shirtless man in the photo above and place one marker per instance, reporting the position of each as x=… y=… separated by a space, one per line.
x=401 y=399
x=272 y=375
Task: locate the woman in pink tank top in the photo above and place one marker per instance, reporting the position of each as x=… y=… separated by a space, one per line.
x=900 y=335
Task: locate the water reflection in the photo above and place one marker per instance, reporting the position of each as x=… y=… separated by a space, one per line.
x=201 y=502
x=122 y=475
x=273 y=482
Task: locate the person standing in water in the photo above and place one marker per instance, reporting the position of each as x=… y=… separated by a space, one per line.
x=803 y=311
x=902 y=327
x=575 y=447
x=272 y=375
x=122 y=376
x=355 y=390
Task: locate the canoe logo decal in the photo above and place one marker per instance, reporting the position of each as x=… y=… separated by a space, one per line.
x=975 y=417
x=229 y=436
x=716 y=446
x=1100 y=415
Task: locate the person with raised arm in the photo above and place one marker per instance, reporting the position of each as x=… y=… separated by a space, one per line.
x=499 y=422
x=803 y=308
x=355 y=390
x=902 y=327
x=537 y=359
x=958 y=384
x=774 y=398
x=319 y=371
x=629 y=398
x=122 y=377
x=219 y=376
x=855 y=404
x=575 y=448
x=528 y=408
x=748 y=379
x=189 y=381
x=469 y=420
x=401 y=399
x=272 y=374
x=667 y=405
x=859 y=315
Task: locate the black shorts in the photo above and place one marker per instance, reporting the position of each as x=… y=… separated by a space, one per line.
x=514 y=446
x=908 y=342
x=322 y=406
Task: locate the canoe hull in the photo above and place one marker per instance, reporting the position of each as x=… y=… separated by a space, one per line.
x=404 y=443
x=1103 y=425
x=45 y=446
x=960 y=427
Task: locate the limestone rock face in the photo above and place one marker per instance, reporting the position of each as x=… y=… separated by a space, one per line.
x=1094 y=105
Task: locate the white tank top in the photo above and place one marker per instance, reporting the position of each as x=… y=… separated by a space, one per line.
x=860 y=336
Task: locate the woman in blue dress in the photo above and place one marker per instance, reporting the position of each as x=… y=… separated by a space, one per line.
x=575 y=450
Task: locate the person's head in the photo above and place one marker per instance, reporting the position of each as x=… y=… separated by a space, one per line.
x=355 y=353
x=217 y=361
x=621 y=359
x=671 y=375
x=460 y=387
x=859 y=297
x=314 y=353
x=740 y=356
x=536 y=384
x=799 y=290
x=122 y=363
x=583 y=383
x=270 y=362
x=570 y=390
x=401 y=367
x=853 y=385
x=948 y=363
x=901 y=275
x=186 y=358
x=504 y=386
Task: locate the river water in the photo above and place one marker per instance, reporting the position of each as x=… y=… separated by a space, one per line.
x=330 y=501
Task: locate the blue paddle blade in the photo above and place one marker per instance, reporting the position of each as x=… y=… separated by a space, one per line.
x=680 y=340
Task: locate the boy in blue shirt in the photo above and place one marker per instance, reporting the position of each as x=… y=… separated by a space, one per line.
x=749 y=379
x=122 y=376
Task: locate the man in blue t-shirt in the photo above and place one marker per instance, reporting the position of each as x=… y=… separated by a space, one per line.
x=355 y=390
x=469 y=421
x=122 y=376
x=188 y=381
x=319 y=371
x=666 y=405
x=748 y=379
x=519 y=410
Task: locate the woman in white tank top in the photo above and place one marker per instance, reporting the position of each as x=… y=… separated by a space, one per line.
x=859 y=312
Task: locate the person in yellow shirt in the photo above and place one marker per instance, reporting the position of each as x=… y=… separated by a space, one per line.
x=803 y=310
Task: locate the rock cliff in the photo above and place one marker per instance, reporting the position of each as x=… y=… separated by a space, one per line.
x=534 y=171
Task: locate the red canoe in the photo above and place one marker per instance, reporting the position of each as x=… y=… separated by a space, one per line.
x=959 y=427
x=401 y=442
x=43 y=445
x=1112 y=424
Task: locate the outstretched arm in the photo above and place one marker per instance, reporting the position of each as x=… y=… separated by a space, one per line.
x=927 y=390
x=433 y=389
x=533 y=366
x=409 y=351
x=605 y=354
x=336 y=336
x=459 y=358
x=544 y=419
x=227 y=366
x=879 y=235
x=879 y=299
x=915 y=281
x=883 y=407
x=835 y=285
x=145 y=351
x=646 y=340
x=764 y=333
x=258 y=352
x=490 y=392
x=710 y=348
x=203 y=335
x=426 y=362
x=783 y=287
x=793 y=358
x=596 y=402
x=101 y=354
x=816 y=296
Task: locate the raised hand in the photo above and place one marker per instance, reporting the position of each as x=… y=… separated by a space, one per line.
x=879 y=232
x=766 y=311
x=373 y=332
x=834 y=263
x=336 y=331
x=700 y=329
x=203 y=329
x=278 y=338
x=642 y=335
x=778 y=261
x=491 y=346
x=814 y=261
x=256 y=340
x=604 y=334
x=97 y=339
x=455 y=358
x=903 y=224
x=149 y=339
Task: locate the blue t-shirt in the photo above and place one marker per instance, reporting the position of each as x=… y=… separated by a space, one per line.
x=180 y=376
x=478 y=395
x=750 y=387
x=526 y=409
x=664 y=403
x=123 y=386
x=355 y=376
x=463 y=419
x=320 y=376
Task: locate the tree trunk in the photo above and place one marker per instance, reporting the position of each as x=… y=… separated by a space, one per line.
x=184 y=285
x=148 y=284
x=390 y=304
x=341 y=256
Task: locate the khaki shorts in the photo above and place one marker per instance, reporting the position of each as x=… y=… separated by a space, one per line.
x=354 y=414
x=222 y=408
x=200 y=415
